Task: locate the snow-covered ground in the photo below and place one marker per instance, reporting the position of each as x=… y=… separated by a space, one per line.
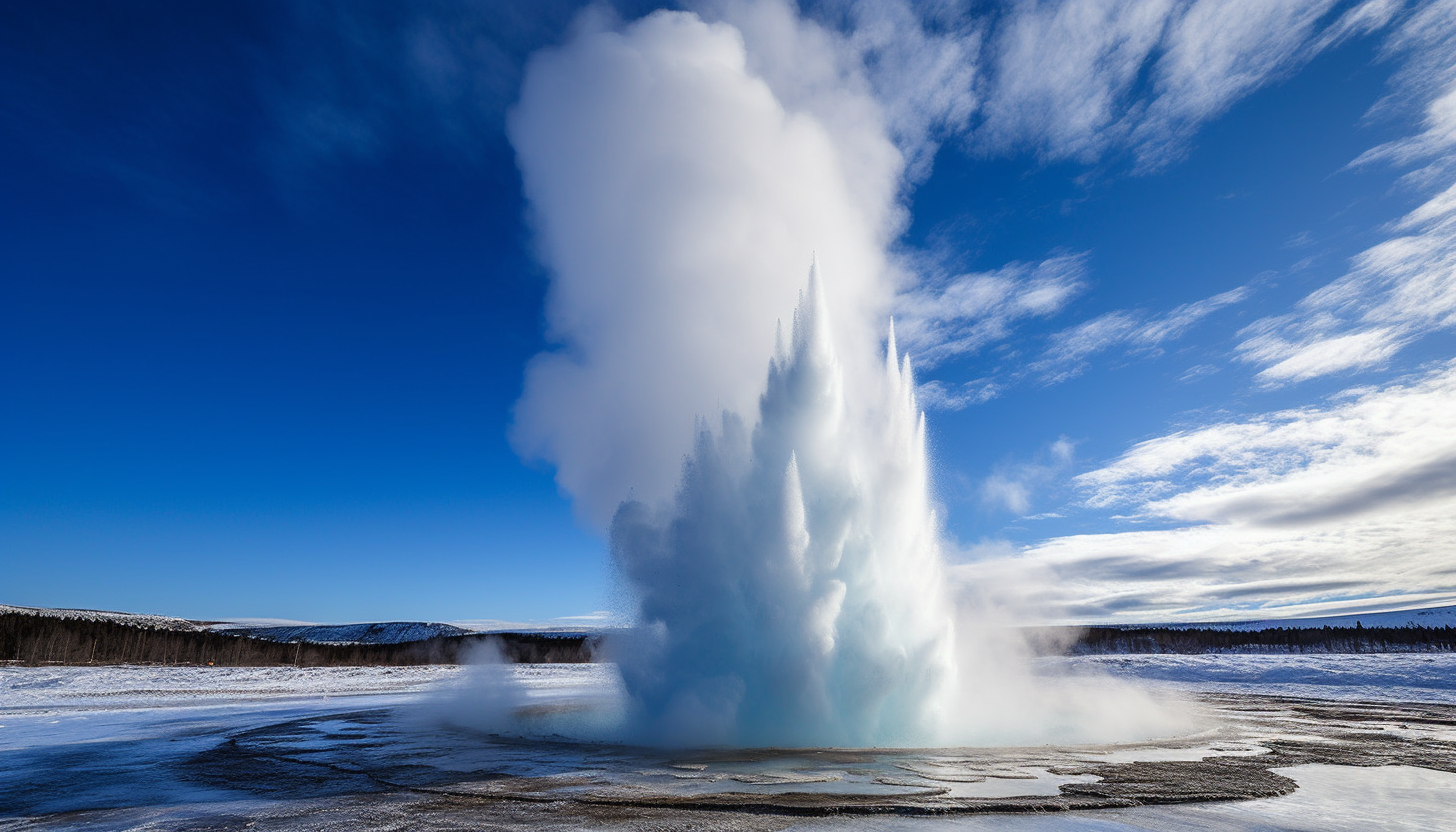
x=1372 y=677
x=319 y=748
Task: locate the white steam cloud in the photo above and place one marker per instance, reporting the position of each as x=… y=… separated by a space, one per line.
x=676 y=200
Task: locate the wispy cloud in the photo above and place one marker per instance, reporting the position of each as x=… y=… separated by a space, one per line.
x=1070 y=350
x=939 y=395
x=966 y=313
x=1368 y=450
x=1077 y=79
x=1394 y=292
x=1012 y=486
x=1205 y=573
x=1062 y=74
x=1215 y=53
x=1297 y=511
x=1426 y=82
x=1404 y=287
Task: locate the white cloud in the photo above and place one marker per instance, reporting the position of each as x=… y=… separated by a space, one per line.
x=677 y=196
x=1216 y=52
x=1371 y=450
x=1318 y=506
x=1394 y=292
x=1350 y=505
x=1214 y=572
x=1063 y=73
x=938 y=395
x=1319 y=356
x=1426 y=81
x=1070 y=350
x=1014 y=485
x=1077 y=79
x=964 y=314
x=925 y=76
x=1405 y=287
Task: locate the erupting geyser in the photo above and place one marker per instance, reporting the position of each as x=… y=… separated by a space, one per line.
x=793 y=592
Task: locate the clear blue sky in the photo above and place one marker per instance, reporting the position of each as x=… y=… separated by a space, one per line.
x=269 y=286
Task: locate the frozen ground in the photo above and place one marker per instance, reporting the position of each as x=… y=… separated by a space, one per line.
x=1374 y=677
x=1370 y=742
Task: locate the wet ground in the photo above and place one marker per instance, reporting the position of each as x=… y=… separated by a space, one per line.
x=336 y=754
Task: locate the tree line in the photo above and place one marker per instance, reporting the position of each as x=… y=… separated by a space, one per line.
x=1357 y=639
x=32 y=639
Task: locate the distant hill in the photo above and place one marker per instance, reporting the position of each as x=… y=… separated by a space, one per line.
x=155 y=622
x=32 y=636
x=387 y=632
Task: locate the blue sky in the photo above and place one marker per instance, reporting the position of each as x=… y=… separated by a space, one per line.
x=1178 y=279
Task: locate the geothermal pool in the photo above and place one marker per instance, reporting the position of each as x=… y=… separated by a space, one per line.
x=1278 y=743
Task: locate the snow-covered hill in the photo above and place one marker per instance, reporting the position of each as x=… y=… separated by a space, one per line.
x=386 y=632
x=155 y=622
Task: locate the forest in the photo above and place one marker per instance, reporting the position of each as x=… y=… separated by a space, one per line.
x=38 y=639
x=34 y=639
x=1357 y=639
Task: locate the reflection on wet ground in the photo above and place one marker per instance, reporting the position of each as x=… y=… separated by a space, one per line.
x=343 y=765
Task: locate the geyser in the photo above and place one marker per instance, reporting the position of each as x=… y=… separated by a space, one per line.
x=792 y=593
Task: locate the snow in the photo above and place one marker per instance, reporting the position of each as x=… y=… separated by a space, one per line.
x=158 y=622
x=48 y=689
x=1377 y=677
x=388 y=632
x=121 y=739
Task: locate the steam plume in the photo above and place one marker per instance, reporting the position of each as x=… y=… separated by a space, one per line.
x=675 y=199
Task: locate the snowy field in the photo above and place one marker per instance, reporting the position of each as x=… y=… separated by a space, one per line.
x=1372 y=677
x=1369 y=740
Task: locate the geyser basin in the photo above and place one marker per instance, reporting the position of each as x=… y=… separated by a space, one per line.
x=260 y=748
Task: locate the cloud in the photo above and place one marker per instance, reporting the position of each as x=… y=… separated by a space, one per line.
x=971 y=312
x=680 y=174
x=1213 y=572
x=1373 y=450
x=1394 y=292
x=1317 y=356
x=1367 y=450
x=1075 y=80
x=1405 y=287
x=1299 y=511
x=925 y=70
x=1070 y=350
x=938 y=395
x=1426 y=81
x=1012 y=485
x=1215 y=53
x=964 y=314
x=1063 y=74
